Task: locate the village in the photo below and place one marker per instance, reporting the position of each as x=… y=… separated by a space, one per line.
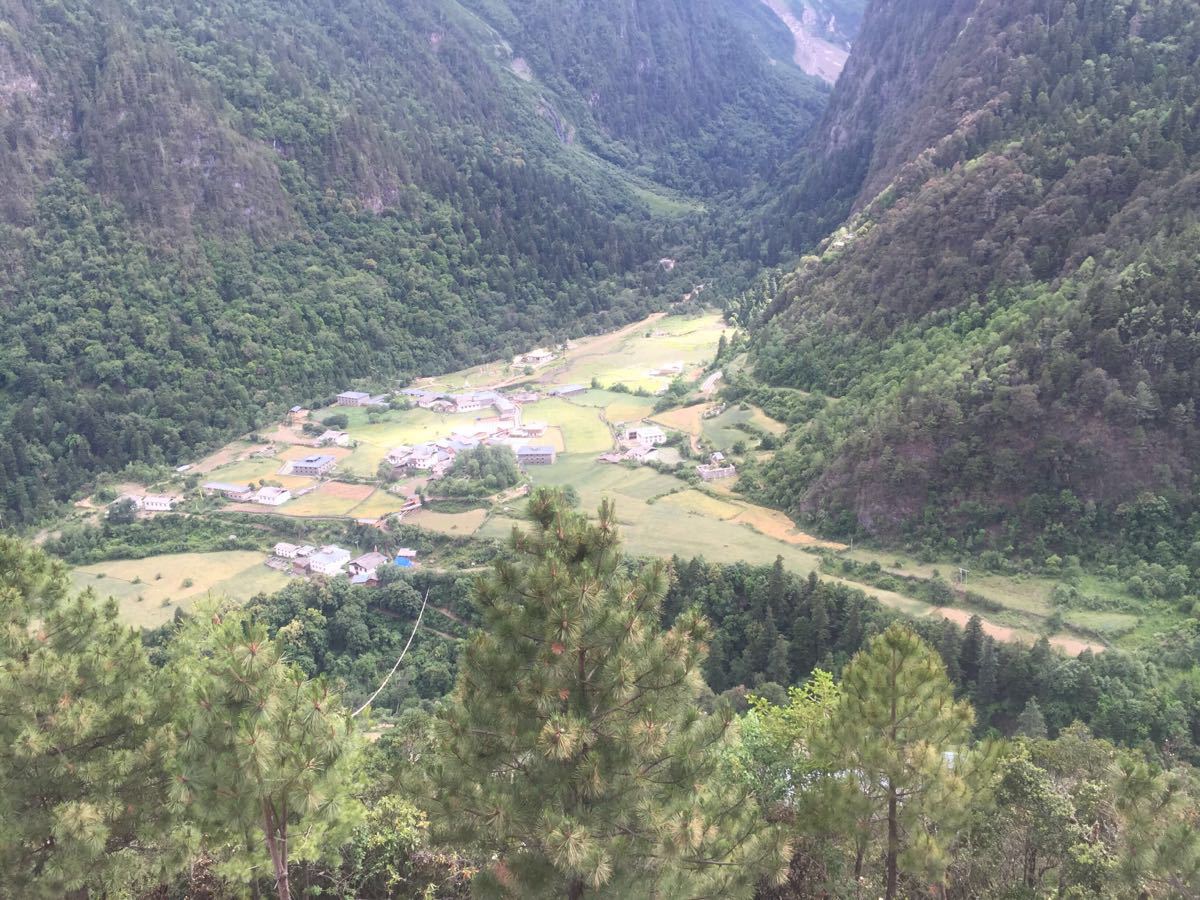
x=314 y=454
x=326 y=490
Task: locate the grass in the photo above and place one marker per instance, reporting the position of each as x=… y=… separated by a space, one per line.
x=617 y=407
x=455 y=524
x=722 y=430
x=582 y=430
x=379 y=504
x=628 y=358
x=319 y=503
x=140 y=593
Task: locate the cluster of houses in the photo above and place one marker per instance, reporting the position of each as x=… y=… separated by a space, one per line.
x=638 y=443
x=716 y=468
x=469 y=402
x=244 y=493
x=434 y=458
x=332 y=561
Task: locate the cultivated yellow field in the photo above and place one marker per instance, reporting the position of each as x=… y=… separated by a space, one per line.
x=149 y=590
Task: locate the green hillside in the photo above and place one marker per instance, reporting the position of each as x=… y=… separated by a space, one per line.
x=210 y=212
x=1008 y=318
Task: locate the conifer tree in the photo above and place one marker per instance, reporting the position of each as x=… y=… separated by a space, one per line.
x=900 y=737
x=573 y=751
x=986 y=682
x=1031 y=723
x=82 y=775
x=266 y=758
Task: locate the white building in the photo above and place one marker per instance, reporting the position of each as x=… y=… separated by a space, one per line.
x=285 y=550
x=159 y=502
x=336 y=438
x=272 y=496
x=646 y=434
x=329 y=560
x=353 y=398
x=238 y=492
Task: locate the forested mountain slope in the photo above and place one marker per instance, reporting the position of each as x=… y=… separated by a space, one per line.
x=213 y=210
x=1009 y=317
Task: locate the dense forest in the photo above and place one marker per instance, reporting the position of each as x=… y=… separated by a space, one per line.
x=210 y=212
x=843 y=754
x=999 y=345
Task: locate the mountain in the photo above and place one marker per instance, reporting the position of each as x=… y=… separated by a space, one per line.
x=211 y=211
x=994 y=341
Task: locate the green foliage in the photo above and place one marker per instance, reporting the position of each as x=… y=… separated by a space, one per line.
x=1003 y=320
x=614 y=782
x=902 y=740
x=481 y=470
x=83 y=782
x=265 y=756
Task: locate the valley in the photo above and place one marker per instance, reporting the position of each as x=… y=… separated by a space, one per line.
x=610 y=384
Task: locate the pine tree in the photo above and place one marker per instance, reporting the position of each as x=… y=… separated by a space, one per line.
x=1031 y=723
x=82 y=775
x=900 y=737
x=985 y=684
x=820 y=625
x=950 y=648
x=262 y=750
x=972 y=647
x=573 y=748
x=778 y=669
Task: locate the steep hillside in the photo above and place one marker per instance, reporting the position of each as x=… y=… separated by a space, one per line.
x=209 y=211
x=1009 y=320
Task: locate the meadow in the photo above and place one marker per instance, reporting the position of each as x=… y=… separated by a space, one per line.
x=148 y=591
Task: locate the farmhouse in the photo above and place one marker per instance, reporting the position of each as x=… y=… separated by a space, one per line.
x=159 y=502
x=353 y=398
x=537 y=357
x=313 y=466
x=406 y=553
x=525 y=396
x=566 y=390
x=536 y=456
x=468 y=402
x=328 y=560
x=272 y=496
x=285 y=550
x=238 y=492
x=367 y=563
x=333 y=438
x=646 y=434
x=716 y=472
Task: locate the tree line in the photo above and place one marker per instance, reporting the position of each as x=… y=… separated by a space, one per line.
x=578 y=754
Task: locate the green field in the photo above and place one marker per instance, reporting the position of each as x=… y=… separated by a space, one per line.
x=722 y=430
x=582 y=430
x=149 y=590
x=617 y=407
x=628 y=359
x=461 y=524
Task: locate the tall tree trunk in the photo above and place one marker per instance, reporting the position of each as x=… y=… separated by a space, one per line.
x=575 y=889
x=893 y=849
x=277 y=852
